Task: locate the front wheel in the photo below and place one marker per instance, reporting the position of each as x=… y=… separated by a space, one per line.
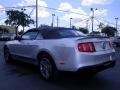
x=7 y=56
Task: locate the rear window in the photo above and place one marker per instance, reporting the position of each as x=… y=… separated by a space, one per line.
x=70 y=33
x=50 y=34
x=56 y=34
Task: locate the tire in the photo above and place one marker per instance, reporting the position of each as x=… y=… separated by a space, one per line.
x=47 y=68
x=7 y=56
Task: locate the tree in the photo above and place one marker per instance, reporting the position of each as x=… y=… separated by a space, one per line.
x=101 y=25
x=17 y=18
x=44 y=26
x=73 y=27
x=109 y=31
x=84 y=30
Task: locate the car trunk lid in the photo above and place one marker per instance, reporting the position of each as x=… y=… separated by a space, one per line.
x=97 y=43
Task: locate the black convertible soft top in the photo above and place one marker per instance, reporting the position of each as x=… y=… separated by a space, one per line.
x=58 y=32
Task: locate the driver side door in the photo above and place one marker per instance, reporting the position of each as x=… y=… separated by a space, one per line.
x=25 y=46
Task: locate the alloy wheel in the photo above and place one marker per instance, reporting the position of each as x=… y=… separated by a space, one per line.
x=45 y=68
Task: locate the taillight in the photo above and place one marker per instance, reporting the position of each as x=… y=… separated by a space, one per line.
x=86 y=47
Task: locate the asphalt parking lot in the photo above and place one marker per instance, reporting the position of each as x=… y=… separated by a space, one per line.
x=21 y=76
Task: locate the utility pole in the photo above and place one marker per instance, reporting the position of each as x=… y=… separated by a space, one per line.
x=116 y=19
x=71 y=22
x=87 y=24
x=57 y=21
x=52 y=20
x=36 y=13
x=93 y=18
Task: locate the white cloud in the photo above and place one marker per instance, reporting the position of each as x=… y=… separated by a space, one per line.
x=1 y=7
x=43 y=13
x=78 y=15
x=119 y=23
x=2 y=10
x=65 y=6
x=2 y=21
x=80 y=19
x=75 y=13
x=3 y=15
x=76 y=18
x=91 y=2
x=101 y=12
x=119 y=26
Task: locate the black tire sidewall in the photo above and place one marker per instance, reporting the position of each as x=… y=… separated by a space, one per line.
x=53 y=69
x=9 y=57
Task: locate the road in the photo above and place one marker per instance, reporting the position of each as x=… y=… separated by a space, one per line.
x=21 y=76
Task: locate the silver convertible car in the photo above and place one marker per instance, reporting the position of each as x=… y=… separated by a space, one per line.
x=61 y=49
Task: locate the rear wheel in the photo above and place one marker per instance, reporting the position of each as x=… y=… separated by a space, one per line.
x=7 y=56
x=47 y=68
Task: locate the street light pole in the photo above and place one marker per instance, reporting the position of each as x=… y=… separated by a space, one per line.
x=36 y=13
x=116 y=25
x=52 y=20
x=57 y=21
x=87 y=24
x=71 y=22
x=93 y=18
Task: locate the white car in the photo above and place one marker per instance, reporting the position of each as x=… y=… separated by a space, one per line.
x=61 y=49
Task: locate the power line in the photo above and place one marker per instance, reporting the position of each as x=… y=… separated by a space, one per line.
x=19 y=7
x=32 y=11
x=31 y=6
x=107 y=22
x=77 y=20
x=85 y=19
x=63 y=10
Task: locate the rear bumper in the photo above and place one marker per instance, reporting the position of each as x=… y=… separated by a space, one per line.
x=98 y=67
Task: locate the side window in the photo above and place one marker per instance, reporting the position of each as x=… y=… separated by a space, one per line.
x=39 y=36
x=30 y=35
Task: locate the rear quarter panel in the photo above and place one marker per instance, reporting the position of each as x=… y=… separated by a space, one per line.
x=61 y=50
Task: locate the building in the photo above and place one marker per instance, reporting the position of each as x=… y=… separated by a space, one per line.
x=8 y=28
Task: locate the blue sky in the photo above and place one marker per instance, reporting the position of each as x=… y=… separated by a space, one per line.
x=107 y=11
